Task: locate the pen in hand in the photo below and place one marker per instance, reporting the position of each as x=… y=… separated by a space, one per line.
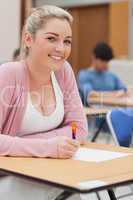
x=74 y=129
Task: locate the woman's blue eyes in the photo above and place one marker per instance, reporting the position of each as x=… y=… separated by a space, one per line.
x=53 y=39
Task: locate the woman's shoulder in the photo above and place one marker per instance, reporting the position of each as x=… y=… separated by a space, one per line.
x=10 y=66
x=12 y=73
x=10 y=69
x=65 y=71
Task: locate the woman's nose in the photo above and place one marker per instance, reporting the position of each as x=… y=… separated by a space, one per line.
x=60 y=47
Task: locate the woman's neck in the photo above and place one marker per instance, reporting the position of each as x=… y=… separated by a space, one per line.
x=38 y=76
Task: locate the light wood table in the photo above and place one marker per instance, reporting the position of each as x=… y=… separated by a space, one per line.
x=101 y=105
x=126 y=101
x=95 y=111
x=68 y=173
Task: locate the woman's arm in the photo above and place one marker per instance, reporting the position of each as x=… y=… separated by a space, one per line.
x=55 y=147
x=15 y=146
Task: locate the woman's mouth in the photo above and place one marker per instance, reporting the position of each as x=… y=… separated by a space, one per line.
x=55 y=57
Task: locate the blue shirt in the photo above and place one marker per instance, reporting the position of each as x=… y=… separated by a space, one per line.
x=89 y=80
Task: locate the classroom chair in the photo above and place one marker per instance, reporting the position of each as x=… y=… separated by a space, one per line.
x=120 y=122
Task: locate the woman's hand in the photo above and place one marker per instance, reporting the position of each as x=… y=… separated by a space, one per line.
x=66 y=147
x=82 y=141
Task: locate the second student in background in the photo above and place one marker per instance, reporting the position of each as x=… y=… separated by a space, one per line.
x=97 y=80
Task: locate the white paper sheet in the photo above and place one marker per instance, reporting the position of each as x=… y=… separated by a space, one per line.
x=95 y=155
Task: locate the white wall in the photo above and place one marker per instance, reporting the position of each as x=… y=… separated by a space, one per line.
x=9 y=28
x=123 y=69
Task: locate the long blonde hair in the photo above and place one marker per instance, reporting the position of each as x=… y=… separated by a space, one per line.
x=38 y=17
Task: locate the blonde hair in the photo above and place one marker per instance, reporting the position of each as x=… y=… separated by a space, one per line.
x=39 y=17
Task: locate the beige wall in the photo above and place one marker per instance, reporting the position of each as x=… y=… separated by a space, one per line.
x=118 y=28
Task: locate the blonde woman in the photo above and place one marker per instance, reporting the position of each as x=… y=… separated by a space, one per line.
x=39 y=100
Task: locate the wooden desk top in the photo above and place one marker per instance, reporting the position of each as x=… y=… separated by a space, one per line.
x=68 y=173
x=118 y=102
x=95 y=111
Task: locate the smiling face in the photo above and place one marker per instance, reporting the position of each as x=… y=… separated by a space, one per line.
x=51 y=45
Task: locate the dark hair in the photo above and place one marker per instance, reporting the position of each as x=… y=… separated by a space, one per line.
x=103 y=51
x=16 y=53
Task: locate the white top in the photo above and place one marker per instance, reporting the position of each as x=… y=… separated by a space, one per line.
x=33 y=121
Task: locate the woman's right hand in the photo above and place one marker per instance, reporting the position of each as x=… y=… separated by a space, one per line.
x=66 y=147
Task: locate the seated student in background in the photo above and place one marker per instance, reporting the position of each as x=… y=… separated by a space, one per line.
x=39 y=100
x=98 y=80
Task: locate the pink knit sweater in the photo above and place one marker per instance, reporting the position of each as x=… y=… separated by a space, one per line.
x=13 y=100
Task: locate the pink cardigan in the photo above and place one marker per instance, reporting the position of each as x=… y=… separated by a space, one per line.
x=13 y=99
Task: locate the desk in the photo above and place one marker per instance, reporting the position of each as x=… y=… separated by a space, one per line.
x=114 y=172
x=126 y=101
x=108 y=103
x=89 y=111
x=95 y=111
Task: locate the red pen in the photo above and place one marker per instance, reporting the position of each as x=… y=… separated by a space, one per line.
x=74 y=129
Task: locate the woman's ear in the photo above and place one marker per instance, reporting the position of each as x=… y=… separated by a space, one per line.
x=28 y=39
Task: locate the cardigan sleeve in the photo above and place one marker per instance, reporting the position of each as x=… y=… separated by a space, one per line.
x=6 y=93
x=15 y=146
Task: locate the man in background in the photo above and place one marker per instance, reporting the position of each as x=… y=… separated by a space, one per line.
x=97 y=80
